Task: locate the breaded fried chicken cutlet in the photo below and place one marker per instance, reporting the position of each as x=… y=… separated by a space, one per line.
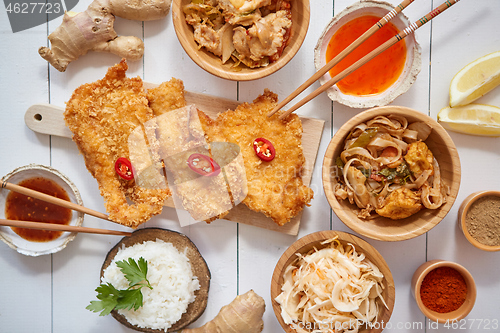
x=275 y=187
x=166 y=97
x=159 y=134
x=179 y=134
x=102 y=115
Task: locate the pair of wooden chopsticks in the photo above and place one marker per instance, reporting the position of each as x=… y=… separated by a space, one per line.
x=59 y=202
x=409 y=30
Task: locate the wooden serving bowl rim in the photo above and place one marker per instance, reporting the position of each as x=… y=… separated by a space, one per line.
x=462 y=213
x=213 y=64
x=382 y=228
x=310 y=241
x=452 y=316
x=198 y=265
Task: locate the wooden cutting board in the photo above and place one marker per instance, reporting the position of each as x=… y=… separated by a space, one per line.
x=49 y=119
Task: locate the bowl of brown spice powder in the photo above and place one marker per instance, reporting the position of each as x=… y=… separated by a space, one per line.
x=479 y=219
x=444 y=291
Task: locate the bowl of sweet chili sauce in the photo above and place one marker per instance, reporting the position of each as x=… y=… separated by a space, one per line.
x=16 y=206
x=382 y=79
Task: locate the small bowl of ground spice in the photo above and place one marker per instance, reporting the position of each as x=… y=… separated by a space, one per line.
x=444 y=291
x=479 y=219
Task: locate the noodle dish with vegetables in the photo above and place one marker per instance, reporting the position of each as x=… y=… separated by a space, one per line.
x=386 y=168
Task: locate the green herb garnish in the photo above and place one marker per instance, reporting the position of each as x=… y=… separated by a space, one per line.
x=365 y=138
x=111 y=298
x=402 y=173
x=340 y=164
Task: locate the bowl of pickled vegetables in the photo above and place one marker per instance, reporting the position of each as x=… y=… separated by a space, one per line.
x=241 y=40
x=332 y=281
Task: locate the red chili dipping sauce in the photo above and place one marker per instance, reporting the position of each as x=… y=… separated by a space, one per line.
x=378 y=74
x=24 y=208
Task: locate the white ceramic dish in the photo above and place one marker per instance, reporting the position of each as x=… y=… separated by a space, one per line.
x=413 y=55
x=21 y=245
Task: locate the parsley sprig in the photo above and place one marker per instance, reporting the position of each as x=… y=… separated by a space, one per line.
x=111 y=298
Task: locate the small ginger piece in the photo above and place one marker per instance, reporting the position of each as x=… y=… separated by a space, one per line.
x=92 y=30
x=242 y=315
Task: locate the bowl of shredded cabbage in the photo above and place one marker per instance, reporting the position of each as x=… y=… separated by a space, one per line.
x=391 y=173
x=332 y=281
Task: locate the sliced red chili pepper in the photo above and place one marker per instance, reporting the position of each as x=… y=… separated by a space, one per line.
x=264 y=149
x=203 y=165
x=123 y=168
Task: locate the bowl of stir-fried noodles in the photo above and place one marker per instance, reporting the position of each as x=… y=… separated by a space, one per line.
x=332 y=281
x=391 y=173
x=241 y=40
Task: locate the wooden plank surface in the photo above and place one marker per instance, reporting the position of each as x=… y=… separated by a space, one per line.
x=48 y=119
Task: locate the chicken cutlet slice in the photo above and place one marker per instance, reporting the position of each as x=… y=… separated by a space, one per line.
x=275 y=188
x=178 y=133
x=102 y=115
x=166 y=97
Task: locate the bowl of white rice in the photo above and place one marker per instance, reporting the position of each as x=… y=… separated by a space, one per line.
x=177 y=272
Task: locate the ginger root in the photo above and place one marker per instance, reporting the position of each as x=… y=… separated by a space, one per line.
x=242 y=315
x=92 y=30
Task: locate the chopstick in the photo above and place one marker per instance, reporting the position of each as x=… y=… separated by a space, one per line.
x=53 y=200
x=60 y=227
x=409 y=30
x=361 y=39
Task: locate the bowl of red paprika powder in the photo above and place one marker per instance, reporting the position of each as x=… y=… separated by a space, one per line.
x=444 y=291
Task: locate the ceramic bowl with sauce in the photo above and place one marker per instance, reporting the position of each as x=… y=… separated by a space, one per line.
x=213 y=64
x=448 y=275
x=382 y=79
x=479 y=218
x=382 y=228
x=33 y=242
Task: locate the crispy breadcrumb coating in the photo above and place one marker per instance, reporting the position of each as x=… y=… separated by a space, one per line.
x=166 y=97
x=105 y=115
x=179 y=134
x=275 y=188
x=101 y=115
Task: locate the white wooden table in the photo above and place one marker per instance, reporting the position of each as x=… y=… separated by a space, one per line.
x=50 y=293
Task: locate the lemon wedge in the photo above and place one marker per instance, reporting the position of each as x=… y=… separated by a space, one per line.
x=475 y=80
x=475 y=119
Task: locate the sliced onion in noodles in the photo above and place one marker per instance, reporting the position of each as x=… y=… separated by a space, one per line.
x=422 y=129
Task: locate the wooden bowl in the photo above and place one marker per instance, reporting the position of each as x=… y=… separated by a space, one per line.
x=314 y=240
x=462 y=214
x=213 y=64
x=448 y=317
x=382 y=228
x=198 y=265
